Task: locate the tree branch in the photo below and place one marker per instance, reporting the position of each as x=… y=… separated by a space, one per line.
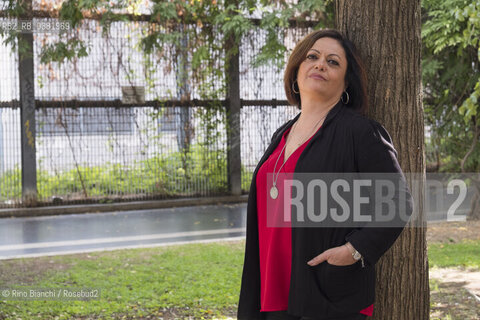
x=476 y=135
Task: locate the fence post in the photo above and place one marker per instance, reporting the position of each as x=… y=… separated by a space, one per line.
x=234 y=163
x=27 y=110
x=184 y=130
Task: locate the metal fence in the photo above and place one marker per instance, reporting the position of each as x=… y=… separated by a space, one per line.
x=90 y=147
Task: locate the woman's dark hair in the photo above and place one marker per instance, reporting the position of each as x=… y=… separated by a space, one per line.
x=355 y=76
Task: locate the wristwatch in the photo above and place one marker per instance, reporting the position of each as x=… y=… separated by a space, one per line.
x=355 y=254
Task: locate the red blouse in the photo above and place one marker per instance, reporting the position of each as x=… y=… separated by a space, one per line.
x=276 y=242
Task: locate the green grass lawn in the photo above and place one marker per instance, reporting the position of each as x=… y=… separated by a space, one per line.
x=185 y=282
x=200 y=281
x=464 y=254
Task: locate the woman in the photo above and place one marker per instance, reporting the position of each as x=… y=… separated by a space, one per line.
x=317 y=273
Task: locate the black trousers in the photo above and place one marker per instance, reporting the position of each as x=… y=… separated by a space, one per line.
x=283 y=315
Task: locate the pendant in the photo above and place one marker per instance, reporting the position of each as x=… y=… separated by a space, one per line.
x=274 y=192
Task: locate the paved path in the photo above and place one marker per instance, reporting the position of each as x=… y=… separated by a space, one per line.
x=470 y=280
x=54 y=235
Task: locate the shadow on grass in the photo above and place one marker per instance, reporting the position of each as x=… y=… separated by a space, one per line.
x=450 y=301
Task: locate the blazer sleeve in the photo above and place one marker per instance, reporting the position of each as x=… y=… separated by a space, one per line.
x=374 y=153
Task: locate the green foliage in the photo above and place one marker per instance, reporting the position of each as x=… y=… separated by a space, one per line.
x=232 y=22
x=195 y=172
x=451 y=81
x=11 y=184
x=274 y=48
x=247 y=176
x=469 y=107
x=275 y=23
x=71 y=10
x=163 y=175
x=60 y=51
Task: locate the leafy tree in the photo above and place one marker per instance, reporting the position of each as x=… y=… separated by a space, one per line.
x=451 y=80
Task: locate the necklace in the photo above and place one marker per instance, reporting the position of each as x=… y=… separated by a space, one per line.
x=273 y=189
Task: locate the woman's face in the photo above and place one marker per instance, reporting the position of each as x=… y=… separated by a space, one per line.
x=322 y=73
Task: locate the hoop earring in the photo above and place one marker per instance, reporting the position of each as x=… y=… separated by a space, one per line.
x=348 y=97
x=293 y=87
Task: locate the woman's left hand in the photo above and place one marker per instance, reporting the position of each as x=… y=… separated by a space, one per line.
x=338 y=256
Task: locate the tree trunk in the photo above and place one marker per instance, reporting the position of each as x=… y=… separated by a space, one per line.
x=388 y=36
x=475 y=203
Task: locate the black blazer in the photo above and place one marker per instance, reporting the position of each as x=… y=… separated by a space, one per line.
x=346 y=142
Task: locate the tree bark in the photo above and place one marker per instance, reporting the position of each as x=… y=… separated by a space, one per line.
x=388 y=36
x=475 y=203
